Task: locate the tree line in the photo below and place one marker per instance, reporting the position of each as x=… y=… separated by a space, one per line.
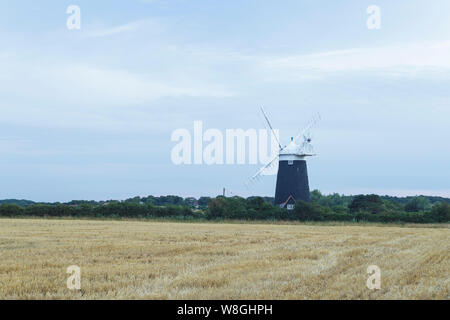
x=335 y=207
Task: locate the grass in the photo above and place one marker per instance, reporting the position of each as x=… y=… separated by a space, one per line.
x=169 y=260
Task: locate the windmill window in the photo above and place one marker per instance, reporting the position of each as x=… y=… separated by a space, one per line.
x=290 y=162
x=290 y=207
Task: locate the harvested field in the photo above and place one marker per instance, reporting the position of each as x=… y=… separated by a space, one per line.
x=166 y=260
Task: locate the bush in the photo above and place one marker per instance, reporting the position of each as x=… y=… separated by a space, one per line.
x=336 y=216
x=11 y=210
x=369 y=208
x=227 y=208
x=440 y=212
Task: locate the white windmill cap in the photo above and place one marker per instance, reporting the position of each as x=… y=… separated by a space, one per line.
x=291 y=148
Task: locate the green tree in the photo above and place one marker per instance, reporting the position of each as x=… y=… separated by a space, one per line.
x=203 y=201
x=217 y=208
x=11 y=210
x=417 y=204
x=227 y=208
x=367 y=203
x=440 y=212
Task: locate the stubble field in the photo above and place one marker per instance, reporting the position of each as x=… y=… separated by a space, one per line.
x=165 y=260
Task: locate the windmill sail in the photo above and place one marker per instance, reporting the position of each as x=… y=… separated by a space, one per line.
x=270 y=126
x=316 y=118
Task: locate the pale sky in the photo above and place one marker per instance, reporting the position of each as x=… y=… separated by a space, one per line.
x=89 y=113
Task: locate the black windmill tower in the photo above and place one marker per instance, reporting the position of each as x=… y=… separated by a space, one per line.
x=292 y=178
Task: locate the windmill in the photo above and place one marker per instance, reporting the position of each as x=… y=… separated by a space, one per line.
x=292 y=178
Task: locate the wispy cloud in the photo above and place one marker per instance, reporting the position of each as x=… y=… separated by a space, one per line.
x=94 y=85
x=400 y=60
x=148 y=24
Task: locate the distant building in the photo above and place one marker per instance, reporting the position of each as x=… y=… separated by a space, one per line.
x=289 y=204
x=292 y=177
x=192 y=202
